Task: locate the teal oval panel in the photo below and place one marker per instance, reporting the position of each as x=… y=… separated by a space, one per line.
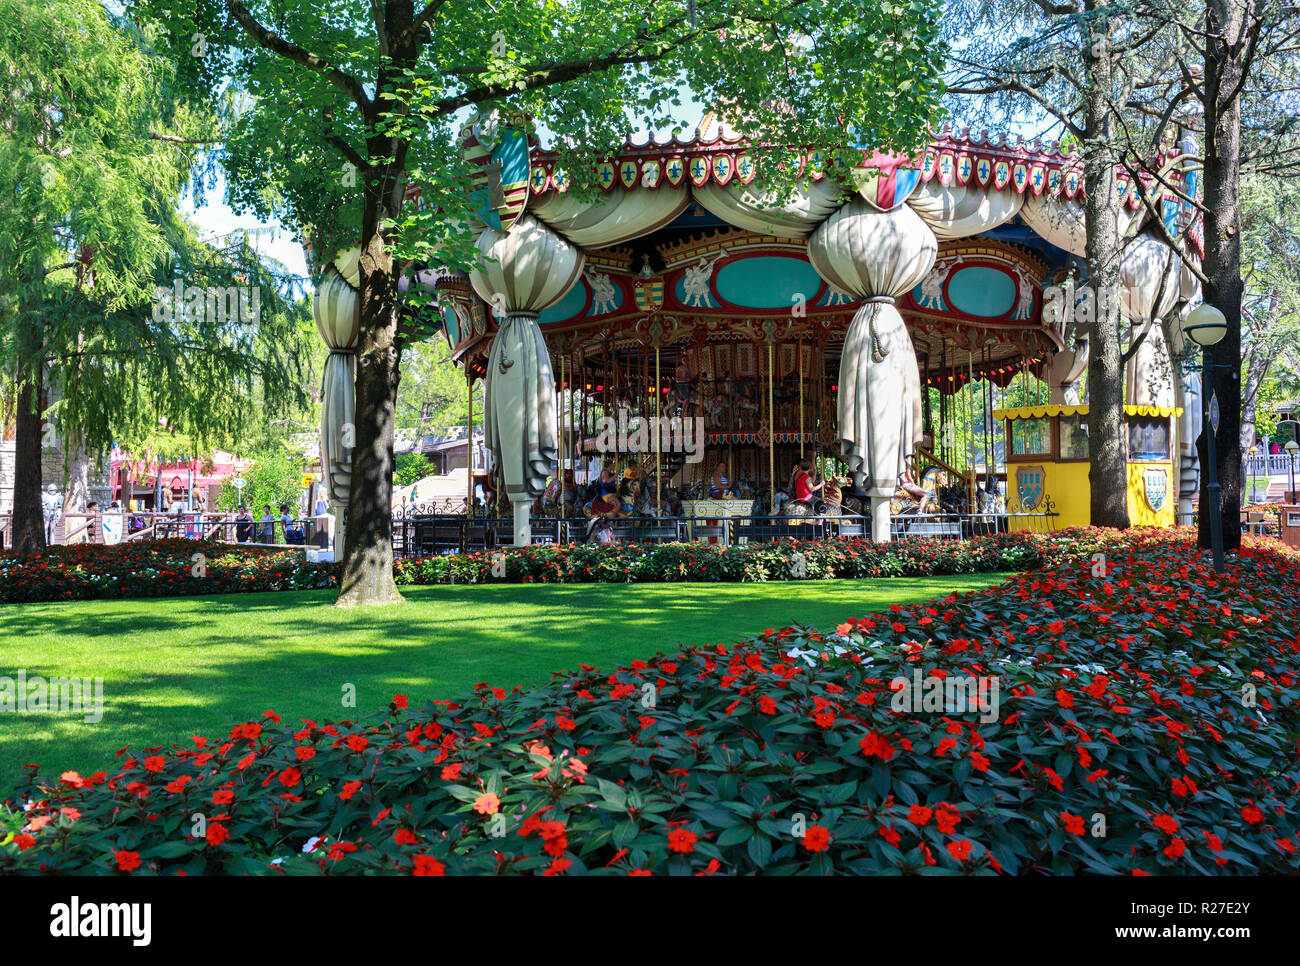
x=568 y=307
x=453 y=326
x=767 y=282
x=980 y=291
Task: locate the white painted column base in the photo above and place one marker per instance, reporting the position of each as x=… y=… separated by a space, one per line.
x=880 y=519
x=523 y=525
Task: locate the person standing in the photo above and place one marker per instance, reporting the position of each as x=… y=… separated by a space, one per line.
x=266 y=525
x=243 y=525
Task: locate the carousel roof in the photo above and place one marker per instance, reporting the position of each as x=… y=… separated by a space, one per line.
x=678 y=239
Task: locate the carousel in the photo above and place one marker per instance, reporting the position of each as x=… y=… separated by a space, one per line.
x=682 y=326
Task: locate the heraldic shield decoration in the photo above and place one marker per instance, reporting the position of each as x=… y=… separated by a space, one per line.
x=1029 y=486
x=1155 y=487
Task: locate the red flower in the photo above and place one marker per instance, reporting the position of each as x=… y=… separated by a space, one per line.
x=1166 y=823
x=919 y=814
x=1175 y=848
x=959 y=850
x=349 y=789
x=427 y=865
x=127 y=861
x=1073 y=823
x=1064 y=699
x=875 y=745
x=290 y=777
x=178 y=786
x=816 y=839
x=217 y=833
x=565 y=724
x=154 y=763
x=1252 y=814
x=681 y=840
x=404 y=836
x=357 y=742
x=399 y=701
x=557 y=866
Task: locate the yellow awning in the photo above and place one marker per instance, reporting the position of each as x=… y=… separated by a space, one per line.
x=1038 y=412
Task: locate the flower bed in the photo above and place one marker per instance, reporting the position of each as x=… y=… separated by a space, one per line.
x=168 y=568
x=160 y=568
x=1147 y=724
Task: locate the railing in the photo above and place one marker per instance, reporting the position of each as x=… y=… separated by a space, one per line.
x=429 y=534
x=141 y=526
x=420 y=534
x=1269 y=464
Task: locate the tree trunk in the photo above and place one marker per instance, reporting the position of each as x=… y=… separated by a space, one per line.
x=368 y=556
x=1107 y=447
x=29 y=520
x=76 y=495
x=1222 y=265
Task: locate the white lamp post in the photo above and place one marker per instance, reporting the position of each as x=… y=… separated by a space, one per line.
x=1292 y=447
x=1206 y=326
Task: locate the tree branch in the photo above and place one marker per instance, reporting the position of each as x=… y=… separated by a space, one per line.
x=291 y=51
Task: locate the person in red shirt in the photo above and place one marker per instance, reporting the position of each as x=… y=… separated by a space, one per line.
x=801 y=481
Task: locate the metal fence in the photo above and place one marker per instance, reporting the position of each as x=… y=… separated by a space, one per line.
x=419 y=534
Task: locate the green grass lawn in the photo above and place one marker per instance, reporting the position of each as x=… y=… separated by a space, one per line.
x=193 y=665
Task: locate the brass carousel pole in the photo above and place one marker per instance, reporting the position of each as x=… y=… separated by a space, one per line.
x=799 y=349
x=970 y=420
x=560 y=416
x=469 y=445
x=658 y=431
x=771 y=437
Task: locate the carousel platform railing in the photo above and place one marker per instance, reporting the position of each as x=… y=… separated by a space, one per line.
x=430 y=533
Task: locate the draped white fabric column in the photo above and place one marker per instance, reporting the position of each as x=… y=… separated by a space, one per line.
x=336 y=306
x=1149 y=280
x=521 y=273
x=876 y=256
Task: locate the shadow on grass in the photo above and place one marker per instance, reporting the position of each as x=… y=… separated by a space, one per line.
x=182 y=666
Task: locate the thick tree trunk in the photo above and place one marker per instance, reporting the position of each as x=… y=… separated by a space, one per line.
x=368 y=556
x=1107 y=447
x=1222 y=265
x=29 y=521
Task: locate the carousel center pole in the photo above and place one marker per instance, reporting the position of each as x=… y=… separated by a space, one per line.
x=799 y=349
x=469 y=444
x=658 y=432
x=559 y=409
x=771 y=438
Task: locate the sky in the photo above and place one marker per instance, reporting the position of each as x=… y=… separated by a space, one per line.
x=215 y=219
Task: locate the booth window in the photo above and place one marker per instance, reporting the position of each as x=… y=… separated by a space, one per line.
x=1073 y=437
x=1031 y=437
x=1148 y=438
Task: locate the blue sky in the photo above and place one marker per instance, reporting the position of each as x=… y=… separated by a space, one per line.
x=215 y=218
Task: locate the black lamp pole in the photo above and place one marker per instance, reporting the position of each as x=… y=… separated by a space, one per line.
x=1212 y=489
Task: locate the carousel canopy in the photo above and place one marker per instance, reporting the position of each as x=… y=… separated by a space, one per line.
x=683 y=245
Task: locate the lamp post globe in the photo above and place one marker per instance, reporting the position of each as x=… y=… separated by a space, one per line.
x=1205 y=325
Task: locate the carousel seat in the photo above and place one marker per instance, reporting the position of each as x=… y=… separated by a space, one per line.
x=933 y=528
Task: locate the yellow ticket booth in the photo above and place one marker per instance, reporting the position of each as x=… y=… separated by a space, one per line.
x=1047 y=464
